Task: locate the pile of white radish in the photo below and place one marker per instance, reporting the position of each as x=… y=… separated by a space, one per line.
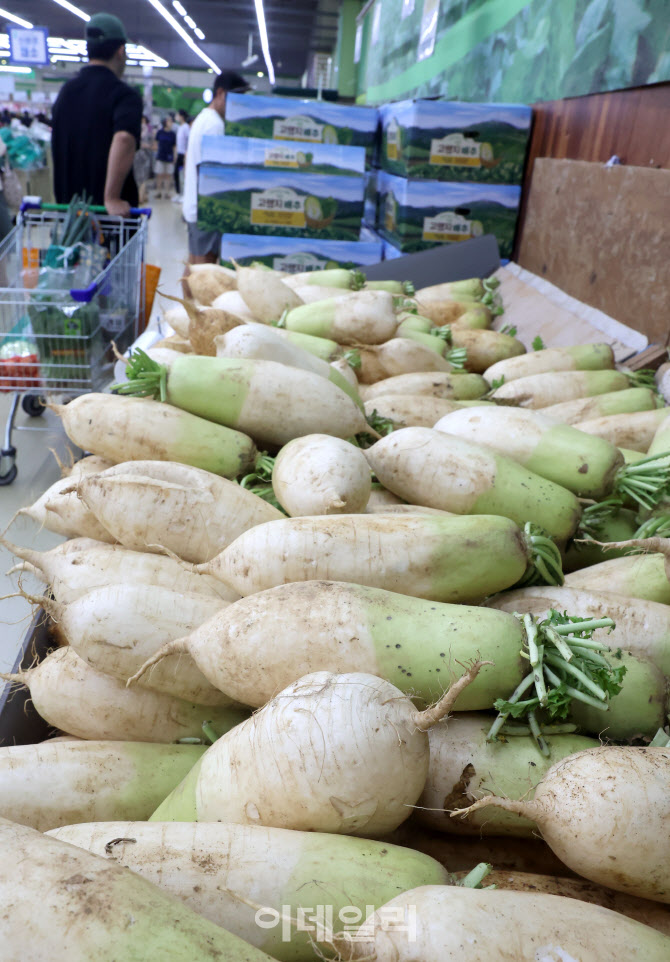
x=331 y=512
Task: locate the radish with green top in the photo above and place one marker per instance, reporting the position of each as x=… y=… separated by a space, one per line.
x=414 y=644
x=224 y=872
x=330 y=277
x=474 y=319
x=135 y=429
x=443 y=558
x=641 y=642
x=321 y=347
x=315 y=294
x=273 y=402
x=405 y=288
x=425 y=466
x=80 y=700
x=456 y=386
x=261 y=343
x=115 y=628
x=415 y=410
x=645 y=575
x=398 y=356
x=193 y=513
x=484 y=348
x=589 y=466
x=579 y=357
x=59 y=783
x=613 y=402
x=543 y=390
x=595 y=546
x=359 y=317
x=635 y=430
x=97 y=911
x=329 y=750
x=660 y=443
x=402 y=508
x=605 y=813
x=464 y=764
x=76 y=567
x=448 y=923
x=266 y=296
x=318 y=474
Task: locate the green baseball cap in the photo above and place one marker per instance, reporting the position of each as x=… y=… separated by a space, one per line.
x=105 y=26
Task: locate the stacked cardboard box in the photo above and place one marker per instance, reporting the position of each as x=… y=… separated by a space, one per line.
x=450 y=171
x=288 y=178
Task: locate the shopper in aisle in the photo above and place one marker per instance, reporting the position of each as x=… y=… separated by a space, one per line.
x=97 y=124
x=182 y=146
x=166 y=148
x=204 y=246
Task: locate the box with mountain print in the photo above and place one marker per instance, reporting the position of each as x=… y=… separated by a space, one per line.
x=449 y=140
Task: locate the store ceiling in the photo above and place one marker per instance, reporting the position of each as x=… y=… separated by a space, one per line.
x=296 y=28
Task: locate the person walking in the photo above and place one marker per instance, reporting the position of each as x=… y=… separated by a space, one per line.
x=166 y=146
x=182 y=147
x=205 y=246
x=97 y=124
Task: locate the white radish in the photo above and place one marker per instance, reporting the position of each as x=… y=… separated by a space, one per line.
x=331 y=748
x=234 y=304
x=76 y=567
x=61 y=511
x=115 y=629
x=580 y=357
x=178 y=319
x=413 y=410
x=356 y=317
x=400 y=355
x=634 y=430
x=207 y=281
x=542 y=390
x=312 y=293
x=81 y=701
x=224 y=871
x=318 y=474
x=195 y=514
x=605 y=812
x=454 y=386
x=60 y=782
x=437 y=923
x=613 y=402
x=266 y=296
x=343 y=367
x=62 y=904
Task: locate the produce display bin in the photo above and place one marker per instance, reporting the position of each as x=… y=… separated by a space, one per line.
x=297 y=254
x=451 y=141
x=241 y=200
x=415 y=215
x=308 y=121
x=20 y=724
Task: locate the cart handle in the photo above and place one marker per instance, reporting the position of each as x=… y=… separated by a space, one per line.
x=38 y=205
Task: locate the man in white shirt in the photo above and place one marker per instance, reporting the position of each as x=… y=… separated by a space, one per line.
x=204 y=246
x=182 y=129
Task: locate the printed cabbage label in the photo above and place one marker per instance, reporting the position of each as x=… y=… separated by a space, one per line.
x=393 y=139
x=448 y=227
x=297 y=263
x=299 y=128
x=283 y=157
x=456 y=150
x=278 y=205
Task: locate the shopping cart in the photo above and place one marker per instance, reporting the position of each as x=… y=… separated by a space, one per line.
x=57 y=322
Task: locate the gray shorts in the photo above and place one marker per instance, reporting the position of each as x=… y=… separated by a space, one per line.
x=203 y=242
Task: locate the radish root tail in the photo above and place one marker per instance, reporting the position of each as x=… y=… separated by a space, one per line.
x=529 y=809
x=431 y=716
x=179 y=646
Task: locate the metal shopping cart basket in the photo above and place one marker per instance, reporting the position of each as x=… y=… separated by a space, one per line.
x=59 y=314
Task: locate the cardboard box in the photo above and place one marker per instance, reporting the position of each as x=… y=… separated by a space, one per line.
x=309 y=121
x=284 y=155
x=447 y=140
x=371 y=204
x=415 y=215
x=296 y=254
x=247 y=200
x=391 y=251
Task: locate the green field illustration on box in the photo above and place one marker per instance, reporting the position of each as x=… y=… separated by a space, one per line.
x=283 y=155
x=441 y=140
x=234 y=200
x=417 y=215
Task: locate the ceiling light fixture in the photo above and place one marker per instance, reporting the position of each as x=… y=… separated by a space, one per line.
x=190 y=21
x=265 y=46
x=15 y=70
x=12 y=16
x=178 y=7
x=75 y=10
x=59 y=46
x=199 y=34
x=158 y=6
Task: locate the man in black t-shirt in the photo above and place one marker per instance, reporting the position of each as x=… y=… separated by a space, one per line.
x=97 y=121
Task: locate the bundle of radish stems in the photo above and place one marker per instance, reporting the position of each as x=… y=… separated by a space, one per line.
x=361 y=642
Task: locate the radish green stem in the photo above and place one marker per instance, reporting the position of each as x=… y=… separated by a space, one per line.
x=574 y=692
x=209 y=732
x=474 y=878
x=537 y=734
x=578 y=674
x=145 y=377
x=545 y=563
x=590 y=624
x=457 y=357
x=660 y=740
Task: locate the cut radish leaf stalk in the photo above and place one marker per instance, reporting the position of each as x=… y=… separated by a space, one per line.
x=645 y=481
x=652 y=528
x=595 y=515
x=444 y=333
x=282 y=320
x=145 y=377
x=645 y=377
x=546 y=567
x=358 y=279
x=660 y=740
x=474 y=878
x=457 y=357
x=353 y=359
x=209 y=732
x=381 y=424
x=490 y=283
x=566 y=666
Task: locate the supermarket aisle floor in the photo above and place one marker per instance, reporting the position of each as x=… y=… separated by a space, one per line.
x=37 y=469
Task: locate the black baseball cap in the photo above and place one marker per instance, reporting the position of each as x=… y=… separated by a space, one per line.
x=231 y=82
